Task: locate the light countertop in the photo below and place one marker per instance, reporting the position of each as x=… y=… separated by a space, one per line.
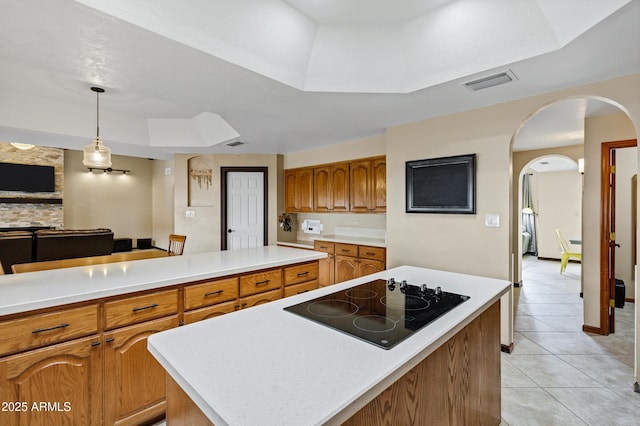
x=264 y=365
x=347 y=239
x=44 y=289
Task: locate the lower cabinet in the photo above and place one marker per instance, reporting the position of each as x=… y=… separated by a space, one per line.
x=350 y=261
x=258 y=299
x=56 y=385
x=134 y=384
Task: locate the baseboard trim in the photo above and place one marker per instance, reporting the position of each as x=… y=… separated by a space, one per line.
x=557 y=260
x=506 y=348
x=591 y=329
x=630 y=299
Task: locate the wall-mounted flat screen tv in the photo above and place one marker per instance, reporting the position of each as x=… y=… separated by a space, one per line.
x=27 y=178
x=442 y=185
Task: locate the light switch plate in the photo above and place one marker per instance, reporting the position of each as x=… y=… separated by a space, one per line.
x=492 y=220
x=167 y=171
x=191 y=213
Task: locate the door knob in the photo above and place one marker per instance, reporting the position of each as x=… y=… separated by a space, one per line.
x=230 y=230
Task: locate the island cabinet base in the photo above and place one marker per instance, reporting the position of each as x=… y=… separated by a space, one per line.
x=457 y=384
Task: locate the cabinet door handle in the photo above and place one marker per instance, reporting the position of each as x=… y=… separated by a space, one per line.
x=236 y=306
x=153 y=305
x=213 y=293
x=302 y=274
x=244 y=304
x=263 y=282
x=55 y=327
x=110 y=339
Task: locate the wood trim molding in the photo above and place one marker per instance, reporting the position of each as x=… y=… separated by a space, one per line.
x=591 y=329
x=223 y=201
x=605 y=194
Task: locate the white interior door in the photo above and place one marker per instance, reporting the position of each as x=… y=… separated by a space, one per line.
x=245 y=207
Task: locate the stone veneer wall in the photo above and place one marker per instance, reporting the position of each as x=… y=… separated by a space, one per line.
x=14 y=215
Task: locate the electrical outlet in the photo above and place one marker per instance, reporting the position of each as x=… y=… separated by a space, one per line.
x=356 y=222
x=191 y=213
x=167 y=171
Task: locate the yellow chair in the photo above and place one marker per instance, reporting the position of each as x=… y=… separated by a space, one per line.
x=176 y=244
x=566 y=254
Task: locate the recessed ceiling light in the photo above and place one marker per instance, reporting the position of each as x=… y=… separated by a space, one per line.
x=235 y=143
x=544 y=162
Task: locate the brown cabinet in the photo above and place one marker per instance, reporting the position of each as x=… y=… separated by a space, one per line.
x=351 y=261
x=331 y=188
x=134 y=383
x=46 y=329
x=66 y=378
x=90 y=362
x=368 y=185
x=260 y=298
x=326 y=266
x=298 y=190
x=300 y=278
x=260 y=282
x=137 y=309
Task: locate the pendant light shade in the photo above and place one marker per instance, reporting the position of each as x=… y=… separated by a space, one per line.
x=96 y=154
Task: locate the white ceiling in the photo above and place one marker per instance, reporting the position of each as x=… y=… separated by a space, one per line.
x=553 y=163
x=290 y=75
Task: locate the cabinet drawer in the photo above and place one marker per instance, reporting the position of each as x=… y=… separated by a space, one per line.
x=368 y=252
x=210 y=293
x=324 y=246
x=300 y=288
x=210 y=312
x=347 y=249
x=300 y=273
x=259 y=299
x=45 y=329
x=140 y=308
x=260 y=282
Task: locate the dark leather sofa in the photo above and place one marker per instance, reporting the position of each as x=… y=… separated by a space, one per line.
x=15 y=247
x=25 y=247
x=67 y=244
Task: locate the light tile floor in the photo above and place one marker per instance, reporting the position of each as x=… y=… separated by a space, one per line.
x=557 y=374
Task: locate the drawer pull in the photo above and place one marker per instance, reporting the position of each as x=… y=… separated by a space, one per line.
x=302 y=274
x=95 y=344
x=265 y=282
x=303 y=291
x=40 y=330
x=213 y=293
x=324 y=247
x=110 y=339
x=346 y=250
x=244 y=304
x=153 y=305
x=370 y=254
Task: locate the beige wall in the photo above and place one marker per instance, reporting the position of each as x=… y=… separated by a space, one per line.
x=203 y=231
x=521 y=159
x=558 y=201
x=626 y=167
x=360 y=148
x=163 y=182
x=109 y=200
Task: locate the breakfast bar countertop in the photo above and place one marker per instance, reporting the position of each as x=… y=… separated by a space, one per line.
x=44 y=289
x=265 y=365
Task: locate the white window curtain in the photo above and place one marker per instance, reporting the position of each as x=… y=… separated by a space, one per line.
x=529 y=215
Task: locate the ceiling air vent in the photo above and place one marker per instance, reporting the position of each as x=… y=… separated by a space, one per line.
x=235 y=143
x=490 y=81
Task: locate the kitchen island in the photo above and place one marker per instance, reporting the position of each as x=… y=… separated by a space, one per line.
x=270 y=366
x=76 y=338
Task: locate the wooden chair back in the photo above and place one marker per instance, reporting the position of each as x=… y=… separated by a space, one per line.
x=176 y=244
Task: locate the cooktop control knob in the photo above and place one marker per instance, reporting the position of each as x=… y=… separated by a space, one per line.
x=391 y=283
x=404 y=283
x=439 y=291
x=424 y=288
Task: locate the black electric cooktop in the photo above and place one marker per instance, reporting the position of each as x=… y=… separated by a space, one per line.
x=381 y=312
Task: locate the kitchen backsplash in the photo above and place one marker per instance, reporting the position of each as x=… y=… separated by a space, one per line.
x=332 y=222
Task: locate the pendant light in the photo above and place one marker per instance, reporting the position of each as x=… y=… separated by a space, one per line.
x=96 y=154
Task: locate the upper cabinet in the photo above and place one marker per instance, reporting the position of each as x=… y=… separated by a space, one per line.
x=359 y=186
x=368 y=185
x=331 y=188
x=298 y=190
